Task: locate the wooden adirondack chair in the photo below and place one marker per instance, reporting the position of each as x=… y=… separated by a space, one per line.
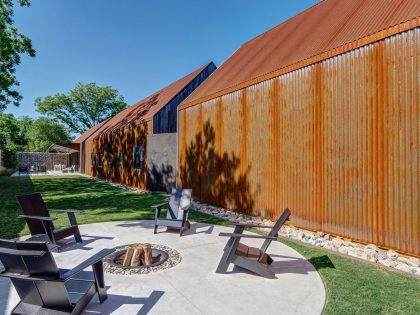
x=37 y=216
x=178 y=207
x=250 y=258
x=43 y=288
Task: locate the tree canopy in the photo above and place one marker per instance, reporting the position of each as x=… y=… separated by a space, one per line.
x=26 y=134
x=44 y=132
x=82 y=107
x=11 y=139
x=12 y=45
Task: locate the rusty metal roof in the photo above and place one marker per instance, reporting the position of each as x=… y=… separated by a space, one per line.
x=143 y=110
x=321 y=28
x=90 y=132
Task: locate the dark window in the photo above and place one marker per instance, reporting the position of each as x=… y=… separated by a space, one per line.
x=100 y=159
x=92 y=159
x=110 y=157
x=138 y=157
x=121 y=159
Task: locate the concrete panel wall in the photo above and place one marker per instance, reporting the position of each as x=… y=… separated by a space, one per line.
x=161 y=161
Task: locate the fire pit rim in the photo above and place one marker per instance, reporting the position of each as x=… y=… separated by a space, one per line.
x=174 y=259
x=110 y=259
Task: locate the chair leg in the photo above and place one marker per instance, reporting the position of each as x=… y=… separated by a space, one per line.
x=228 y=254
x=78 y=237
x=98 y=271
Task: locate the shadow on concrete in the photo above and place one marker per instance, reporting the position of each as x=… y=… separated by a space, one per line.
x=147 y=224
x=5 y=286
x=286 y=266
x=114 y=302
x=199 y=228
x=69 y=243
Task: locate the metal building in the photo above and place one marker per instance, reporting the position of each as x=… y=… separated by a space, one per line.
x=117 y=148
x=319 y=114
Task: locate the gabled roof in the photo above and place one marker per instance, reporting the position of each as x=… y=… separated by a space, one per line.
x=90 y=132
x=321 y=28
x=143 y=110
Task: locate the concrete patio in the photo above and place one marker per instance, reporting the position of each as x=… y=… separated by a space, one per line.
x=191 y=287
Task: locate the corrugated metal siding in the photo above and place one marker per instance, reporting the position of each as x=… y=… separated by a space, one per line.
x=337 y=142
x=327 y=25
x=122 y=140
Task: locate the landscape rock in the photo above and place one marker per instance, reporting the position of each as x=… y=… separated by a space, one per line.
x=413 y=261
x=337 y=242
x=403 y=267
x=368 y=252
x=392 y=255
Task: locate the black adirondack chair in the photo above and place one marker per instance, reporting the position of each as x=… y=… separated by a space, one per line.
x=37 y=216
x=250 y=258
x=24 y=170
x=44 y=288
x=178 y=207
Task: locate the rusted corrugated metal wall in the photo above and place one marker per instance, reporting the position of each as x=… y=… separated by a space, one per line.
x=120 y=141
x=336 y=141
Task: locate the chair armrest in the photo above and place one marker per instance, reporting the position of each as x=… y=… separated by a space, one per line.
x=88 y=262
x=26 y=253
x=160 y=204
x=254 y=225
x=237 y=235
x=65 y=210
x=33 y=217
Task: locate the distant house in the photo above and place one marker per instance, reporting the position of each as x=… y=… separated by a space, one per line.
x=137 y=147
x=319 y=114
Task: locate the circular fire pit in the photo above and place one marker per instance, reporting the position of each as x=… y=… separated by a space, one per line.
x=162 y=257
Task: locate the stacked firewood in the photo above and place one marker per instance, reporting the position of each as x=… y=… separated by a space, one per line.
x=138 y=255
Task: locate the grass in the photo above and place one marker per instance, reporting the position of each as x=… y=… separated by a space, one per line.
x=7 y=172
x=353 y=286
x=100 y=202
x=358 y=287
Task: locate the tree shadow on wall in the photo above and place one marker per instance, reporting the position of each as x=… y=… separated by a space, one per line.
x=160 y=178
x=121 y=141
x=216 y=177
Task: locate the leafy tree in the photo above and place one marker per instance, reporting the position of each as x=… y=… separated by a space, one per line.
x=10 y=139
x=83 y=107
x=44 y=132
x=24 y=123
x=12 y=45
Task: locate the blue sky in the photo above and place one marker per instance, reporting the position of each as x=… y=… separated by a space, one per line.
x=135 y=46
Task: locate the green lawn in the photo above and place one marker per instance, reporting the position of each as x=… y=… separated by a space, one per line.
x=353 y=286
x=358 y=287
x=100 y=202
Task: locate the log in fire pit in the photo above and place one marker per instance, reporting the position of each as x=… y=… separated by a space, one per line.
x=141 y=258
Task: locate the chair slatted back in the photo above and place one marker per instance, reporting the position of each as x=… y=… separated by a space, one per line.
x=39 y=205
x=179 y=201
x=28 y=208
x=34 y=260
x=276 y=228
